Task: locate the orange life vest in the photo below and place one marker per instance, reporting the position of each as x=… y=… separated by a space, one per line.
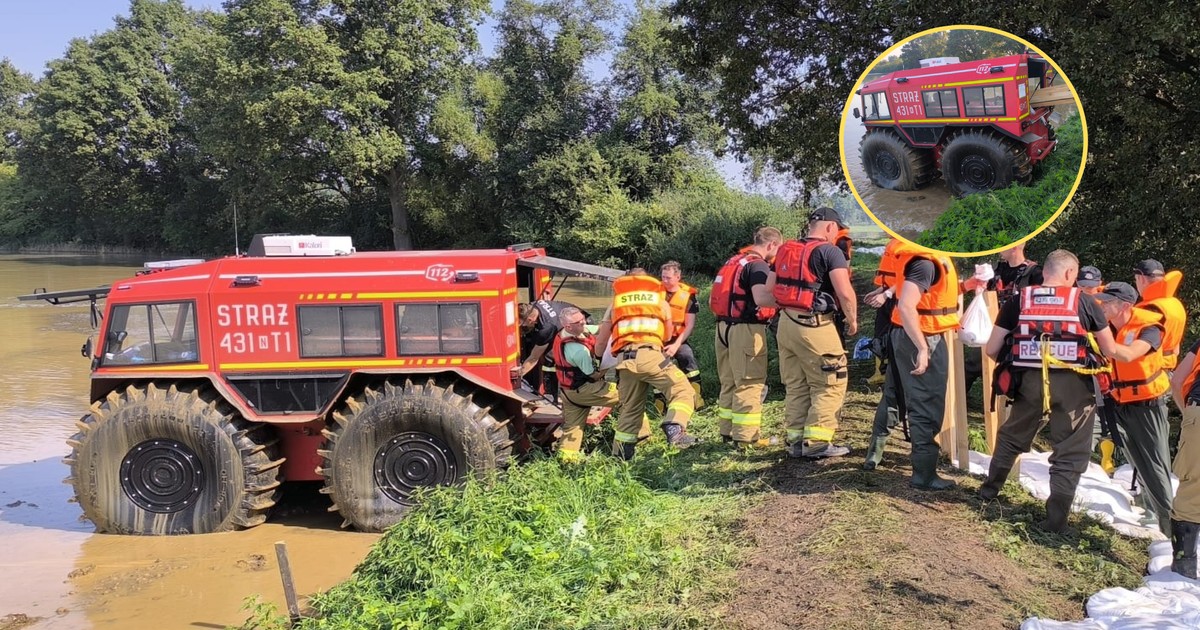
x=843 y=242
x=679 y=301
x=796 y=286
x=1190 y=381
x=637 y=315
x=937 y=310
x=887 y=273
x=729 y=301
x=1160 y=297
x=1051 y=313
x=570 y=376
x=1144 y=378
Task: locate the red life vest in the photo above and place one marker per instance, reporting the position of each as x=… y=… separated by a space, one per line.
x=570 y=376
x=728 y=300
x=1052 y=312
x=796 y=285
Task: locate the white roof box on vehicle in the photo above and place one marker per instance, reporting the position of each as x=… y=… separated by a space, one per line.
x=161 y=265
x=300 y=245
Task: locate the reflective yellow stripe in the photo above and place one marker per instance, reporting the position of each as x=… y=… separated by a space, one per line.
x=724 y=414
x=612 y=387
x=691 y=374
x=626 y=438
x=424 y=294
x=350 y=363
x=818 y=433
x=632 y=325
x=681 y=407
x=158 y=368
x=747 y=419
x=795 y=434
x=998 y=83
x=949 y=120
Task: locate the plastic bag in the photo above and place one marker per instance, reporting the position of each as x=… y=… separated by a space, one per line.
x=976 y=324
x=607 y=360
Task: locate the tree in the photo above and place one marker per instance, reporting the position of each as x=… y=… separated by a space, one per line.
x=106 y=156
x=15 y=89
x=663 y=121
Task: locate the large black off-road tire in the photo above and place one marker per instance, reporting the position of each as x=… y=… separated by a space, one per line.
x=172 y=460
x=976 y=161
x=390 y=440
x=890 y=163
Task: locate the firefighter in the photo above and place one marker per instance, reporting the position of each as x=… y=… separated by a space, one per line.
x=1013 y=273
x=684 y=307
x=883 y=298
x=581 y=385
x=1139 y=383
x=845 y=243
x=1091 y=282
x=743 y=305
x=927 y=306
x=1062 y=315
x=1157 y=289
x=640 y=318
x=1185 y=510
x=810 y=285
x=539 y=325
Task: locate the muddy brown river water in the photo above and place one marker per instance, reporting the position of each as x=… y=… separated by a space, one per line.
x=52 y=567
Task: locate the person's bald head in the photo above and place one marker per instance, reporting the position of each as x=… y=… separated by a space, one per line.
x=1014 y=255
x=1060 y=269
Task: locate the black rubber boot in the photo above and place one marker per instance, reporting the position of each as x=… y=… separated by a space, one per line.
x=1058 y=508
x=624 y=451
x=925 y=475
x=677 y=436
x=875 y=452
x=997 y=475
x=1183 y=542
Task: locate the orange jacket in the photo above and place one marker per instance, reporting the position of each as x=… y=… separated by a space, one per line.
x=679 y=301
x=937 y=310
x=637 y=316
x=1160 y=297
x=1144 y=378
x=886 y=275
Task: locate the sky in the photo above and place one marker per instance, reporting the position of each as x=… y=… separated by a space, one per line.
x=35 y=32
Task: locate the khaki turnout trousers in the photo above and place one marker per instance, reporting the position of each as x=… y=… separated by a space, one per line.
x=742 y=367
x=576 y=404
x=812 y=366
x=640 y=368
x=1186 y=506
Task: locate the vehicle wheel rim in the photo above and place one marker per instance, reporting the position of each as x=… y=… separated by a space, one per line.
x=162 y=476
x=886 y=166
x=977 y=172
x=413 y=460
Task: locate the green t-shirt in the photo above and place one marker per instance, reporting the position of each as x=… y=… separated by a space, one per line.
x=578 y=355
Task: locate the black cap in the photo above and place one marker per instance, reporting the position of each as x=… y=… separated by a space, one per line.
x=1149 y=267
x=1118 y=291
x=1089 y=277
x=827 y=214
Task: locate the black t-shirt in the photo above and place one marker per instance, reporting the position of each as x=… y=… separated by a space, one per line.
x=1150 y=334
x=921 y=272
x=546 y=328
x=824 y=259
x=1013 y=279
x=1090 y=314
x=755 y=272
x=693 y=305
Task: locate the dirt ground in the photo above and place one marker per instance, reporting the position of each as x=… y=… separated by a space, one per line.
x=839 y=547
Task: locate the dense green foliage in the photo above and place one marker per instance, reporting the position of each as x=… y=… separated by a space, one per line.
x=981 y=222
x=588 y=546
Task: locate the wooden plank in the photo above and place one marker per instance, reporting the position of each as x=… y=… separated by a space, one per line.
x=991 y=419
x=289 y=587
x=953 y=438
x=1050 y=96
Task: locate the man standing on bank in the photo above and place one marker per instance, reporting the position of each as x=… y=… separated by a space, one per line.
x=811 y=286
x=927 y=306
x=1140 y=383
x=1062 y=315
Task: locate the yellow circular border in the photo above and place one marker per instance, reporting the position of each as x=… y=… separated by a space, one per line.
x=858 y=85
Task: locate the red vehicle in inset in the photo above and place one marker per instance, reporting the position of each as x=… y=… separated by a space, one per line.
x=971 y=121
x=377 y=373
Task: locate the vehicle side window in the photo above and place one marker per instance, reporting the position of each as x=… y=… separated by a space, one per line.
x=875 y=107
x=151 y=333
x=341 y=331
x=940 y=103
x=983 y=101
x=427 y=329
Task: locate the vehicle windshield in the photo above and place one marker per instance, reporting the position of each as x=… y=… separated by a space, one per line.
x=164 y=332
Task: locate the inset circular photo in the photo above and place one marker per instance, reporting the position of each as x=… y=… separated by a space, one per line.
x=963 y=139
